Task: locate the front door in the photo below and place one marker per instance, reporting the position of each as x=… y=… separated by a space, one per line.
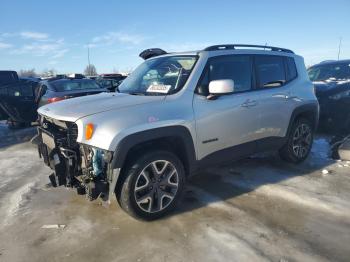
x=229 y=122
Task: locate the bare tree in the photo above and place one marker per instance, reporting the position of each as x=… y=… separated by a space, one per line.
x=27 y=73
x=90 y=70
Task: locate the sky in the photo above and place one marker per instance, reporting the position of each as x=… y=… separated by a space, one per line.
x=56 y=34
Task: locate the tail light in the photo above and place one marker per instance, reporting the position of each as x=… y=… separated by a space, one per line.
x=55 y=99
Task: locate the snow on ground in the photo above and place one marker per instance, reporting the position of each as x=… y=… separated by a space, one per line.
x=256 y=209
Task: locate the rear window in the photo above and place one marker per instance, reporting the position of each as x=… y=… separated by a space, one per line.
x=270 y=71
x=72 y=85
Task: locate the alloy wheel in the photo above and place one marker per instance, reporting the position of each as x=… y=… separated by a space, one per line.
x=302 y=140
x=156 y=186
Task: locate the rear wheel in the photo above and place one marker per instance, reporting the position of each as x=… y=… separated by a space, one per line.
x=299 y=142
x=152 y=185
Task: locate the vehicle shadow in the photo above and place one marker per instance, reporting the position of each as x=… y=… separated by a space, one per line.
x=9 y=137
x=234 y=179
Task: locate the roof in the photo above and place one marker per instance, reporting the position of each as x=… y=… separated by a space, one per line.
x=329 y=62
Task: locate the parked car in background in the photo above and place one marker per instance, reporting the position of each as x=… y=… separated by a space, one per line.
x=174 y=115
x=332 y=85
x=92 y=77
x=54 y=90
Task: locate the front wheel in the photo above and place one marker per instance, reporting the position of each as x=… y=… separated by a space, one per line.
x=299 y=142
x=152 y=185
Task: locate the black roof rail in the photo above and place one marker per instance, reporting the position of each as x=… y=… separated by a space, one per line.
x=234 y=46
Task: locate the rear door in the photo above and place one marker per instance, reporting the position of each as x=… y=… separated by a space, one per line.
x=274 y=83
x=19 y=102
x=6 y=78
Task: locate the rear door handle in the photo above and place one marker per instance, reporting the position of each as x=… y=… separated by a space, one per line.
x=249 y=103
x=284 y=96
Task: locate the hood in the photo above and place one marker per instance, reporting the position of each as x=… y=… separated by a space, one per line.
x=327 y=86
x=73 y=109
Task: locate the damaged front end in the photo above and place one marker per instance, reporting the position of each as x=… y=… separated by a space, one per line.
x=86 y=168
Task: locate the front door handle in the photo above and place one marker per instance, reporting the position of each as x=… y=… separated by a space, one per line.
x=280 y=95
x=249 y=103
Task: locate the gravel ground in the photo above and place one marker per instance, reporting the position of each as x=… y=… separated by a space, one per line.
x=257 y=209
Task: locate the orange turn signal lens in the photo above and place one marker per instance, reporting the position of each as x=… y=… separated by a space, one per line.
x=89 y=130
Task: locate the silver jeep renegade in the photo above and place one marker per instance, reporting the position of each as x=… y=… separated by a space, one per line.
x=176 y=114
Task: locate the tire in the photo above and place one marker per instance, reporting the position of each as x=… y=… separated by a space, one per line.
x=153 y=176
x=299 y=142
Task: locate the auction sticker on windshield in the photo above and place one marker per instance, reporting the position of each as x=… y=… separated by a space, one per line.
x=159 y=88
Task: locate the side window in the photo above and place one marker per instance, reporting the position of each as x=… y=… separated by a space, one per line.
x=21 y=88
x=291 y=69
x=235 y=67
x=270 y=71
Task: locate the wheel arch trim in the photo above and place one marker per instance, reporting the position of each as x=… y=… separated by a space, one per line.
x=310 y=108
x=128 y=142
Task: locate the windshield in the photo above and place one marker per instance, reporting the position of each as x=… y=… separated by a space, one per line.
x=339 y=71
x=159 y=76
x=74 y=85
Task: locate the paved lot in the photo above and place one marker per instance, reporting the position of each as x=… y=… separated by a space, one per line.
x=258 y=209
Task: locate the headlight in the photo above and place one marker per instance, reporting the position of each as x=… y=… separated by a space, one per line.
x=340 y=95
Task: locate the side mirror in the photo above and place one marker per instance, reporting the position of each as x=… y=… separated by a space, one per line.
x=116 y=84
x=221 y=87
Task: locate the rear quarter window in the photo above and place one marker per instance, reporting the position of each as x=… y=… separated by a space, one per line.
x=291 y=69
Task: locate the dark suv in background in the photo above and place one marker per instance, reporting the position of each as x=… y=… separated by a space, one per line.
x=21 y=97
x=332 y=85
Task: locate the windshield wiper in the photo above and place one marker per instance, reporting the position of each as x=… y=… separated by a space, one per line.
x=137 y=93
